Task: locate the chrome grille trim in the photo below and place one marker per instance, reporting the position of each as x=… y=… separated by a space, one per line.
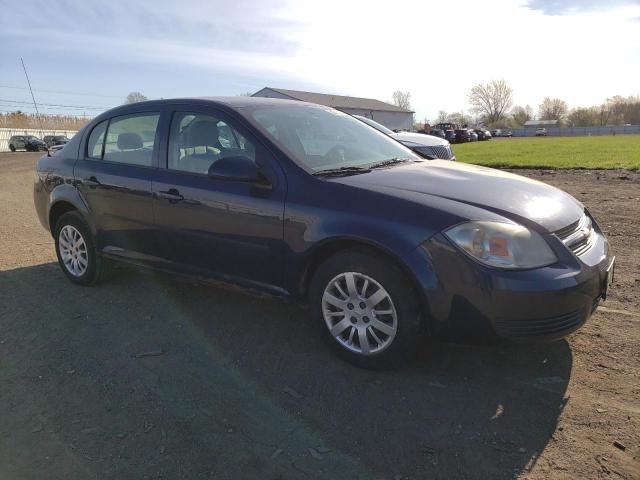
x=579 y=236
x=442 y=152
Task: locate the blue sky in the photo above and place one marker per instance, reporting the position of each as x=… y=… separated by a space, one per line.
x=84 y=56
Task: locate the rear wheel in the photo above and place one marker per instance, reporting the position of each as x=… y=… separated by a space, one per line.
x=76 y=251
x=368 y=310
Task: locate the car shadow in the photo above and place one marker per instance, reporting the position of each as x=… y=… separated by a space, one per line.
x=457 y=411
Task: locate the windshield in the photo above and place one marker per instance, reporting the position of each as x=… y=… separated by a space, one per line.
x=322 y=138
x=375 y=125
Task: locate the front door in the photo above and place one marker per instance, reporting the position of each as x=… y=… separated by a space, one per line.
x=228 y=227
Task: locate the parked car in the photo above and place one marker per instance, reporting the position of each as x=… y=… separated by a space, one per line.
x=51 y=140
x=496 y=132
x=541 y=132
x=308 y=203
x=29 y=143
x=450 y=136
x=427 y=146
x=463 y=135
x=483 y=134
x=436 y=132
x=507 y=133
x=473 y=136
x=447 y=126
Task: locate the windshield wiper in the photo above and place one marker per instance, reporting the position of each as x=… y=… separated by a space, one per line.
x=341 y=171
x=391 y=161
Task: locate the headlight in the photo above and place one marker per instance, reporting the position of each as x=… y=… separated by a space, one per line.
x=502 y=245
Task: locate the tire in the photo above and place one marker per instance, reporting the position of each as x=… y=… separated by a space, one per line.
x=72 y=226
x=388 y=348
x=12 y=148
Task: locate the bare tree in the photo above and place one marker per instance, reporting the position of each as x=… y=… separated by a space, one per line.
x=520 y=115
x=135 y=97
x=442 y=117
x=491 y=100
x=553 y=109
x=459 y=118
x=402 y=99
x=584 y=117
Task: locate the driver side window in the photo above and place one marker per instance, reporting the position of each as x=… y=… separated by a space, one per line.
x=198 y=140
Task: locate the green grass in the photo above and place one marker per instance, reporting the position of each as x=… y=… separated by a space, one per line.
x=621 y=151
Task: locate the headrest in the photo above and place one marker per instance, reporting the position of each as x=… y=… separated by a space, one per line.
x=201 y=134
x=129 y=141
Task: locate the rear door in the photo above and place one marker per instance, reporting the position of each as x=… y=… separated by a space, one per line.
x=226 y=227
x=113 y=174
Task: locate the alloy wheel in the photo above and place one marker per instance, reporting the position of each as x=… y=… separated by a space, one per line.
x=359 y=313
x=73 y=250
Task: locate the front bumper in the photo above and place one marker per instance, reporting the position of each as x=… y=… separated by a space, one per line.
x=35 y=148
x=546 y=303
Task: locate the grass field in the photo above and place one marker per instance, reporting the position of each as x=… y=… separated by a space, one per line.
x=621 y=151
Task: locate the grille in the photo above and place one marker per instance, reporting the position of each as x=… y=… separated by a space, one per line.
x=440 y=151
x=540 y=327
x=578 y=236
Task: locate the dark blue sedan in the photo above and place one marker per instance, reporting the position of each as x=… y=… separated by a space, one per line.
x=305 y=202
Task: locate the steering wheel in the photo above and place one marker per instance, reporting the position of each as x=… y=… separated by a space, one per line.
x=337 y=152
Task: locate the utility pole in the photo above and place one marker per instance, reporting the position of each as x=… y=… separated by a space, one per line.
x=32 y=97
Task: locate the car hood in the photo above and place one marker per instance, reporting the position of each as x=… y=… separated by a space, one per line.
x=506 y=194
x=420 y=139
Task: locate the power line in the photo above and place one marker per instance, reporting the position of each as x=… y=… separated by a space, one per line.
x=81 y=107
x=49 y=110
x=63 y=92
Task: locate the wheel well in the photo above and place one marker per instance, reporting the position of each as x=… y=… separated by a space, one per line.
x=331 y=248
x=57 y=210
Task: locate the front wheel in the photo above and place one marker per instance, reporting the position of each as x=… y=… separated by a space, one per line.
x=76 y=251
x=367 y=309
x=12 y=148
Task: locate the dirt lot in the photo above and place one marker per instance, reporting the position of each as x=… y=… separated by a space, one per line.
x=151 y=377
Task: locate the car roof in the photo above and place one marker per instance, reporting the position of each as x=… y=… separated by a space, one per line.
x=234 y=103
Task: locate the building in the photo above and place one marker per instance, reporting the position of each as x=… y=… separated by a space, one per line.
x=387 y=114
x=542 y=124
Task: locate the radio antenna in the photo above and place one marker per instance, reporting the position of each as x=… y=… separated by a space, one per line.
x=32 y=97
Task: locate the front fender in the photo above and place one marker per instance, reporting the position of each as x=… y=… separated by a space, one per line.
x=392 y=241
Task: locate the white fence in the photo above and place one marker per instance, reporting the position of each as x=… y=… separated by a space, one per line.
x=7 y=133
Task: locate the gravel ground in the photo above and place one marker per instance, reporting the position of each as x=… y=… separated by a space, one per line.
x=152 y=377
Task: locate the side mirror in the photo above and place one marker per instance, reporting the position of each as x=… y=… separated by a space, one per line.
x=237 y=168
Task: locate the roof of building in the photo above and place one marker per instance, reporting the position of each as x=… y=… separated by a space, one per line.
x=540 y=123
x=337 y=101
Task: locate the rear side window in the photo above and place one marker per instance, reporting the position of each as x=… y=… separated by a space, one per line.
x=127 y=139
x=96 y=141
x=130 y=139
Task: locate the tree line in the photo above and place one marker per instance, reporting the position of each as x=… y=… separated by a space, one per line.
x=31 y=121
x=492 y=105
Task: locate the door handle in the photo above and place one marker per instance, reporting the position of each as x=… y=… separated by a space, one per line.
x=92 y=181
x=173 y=195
